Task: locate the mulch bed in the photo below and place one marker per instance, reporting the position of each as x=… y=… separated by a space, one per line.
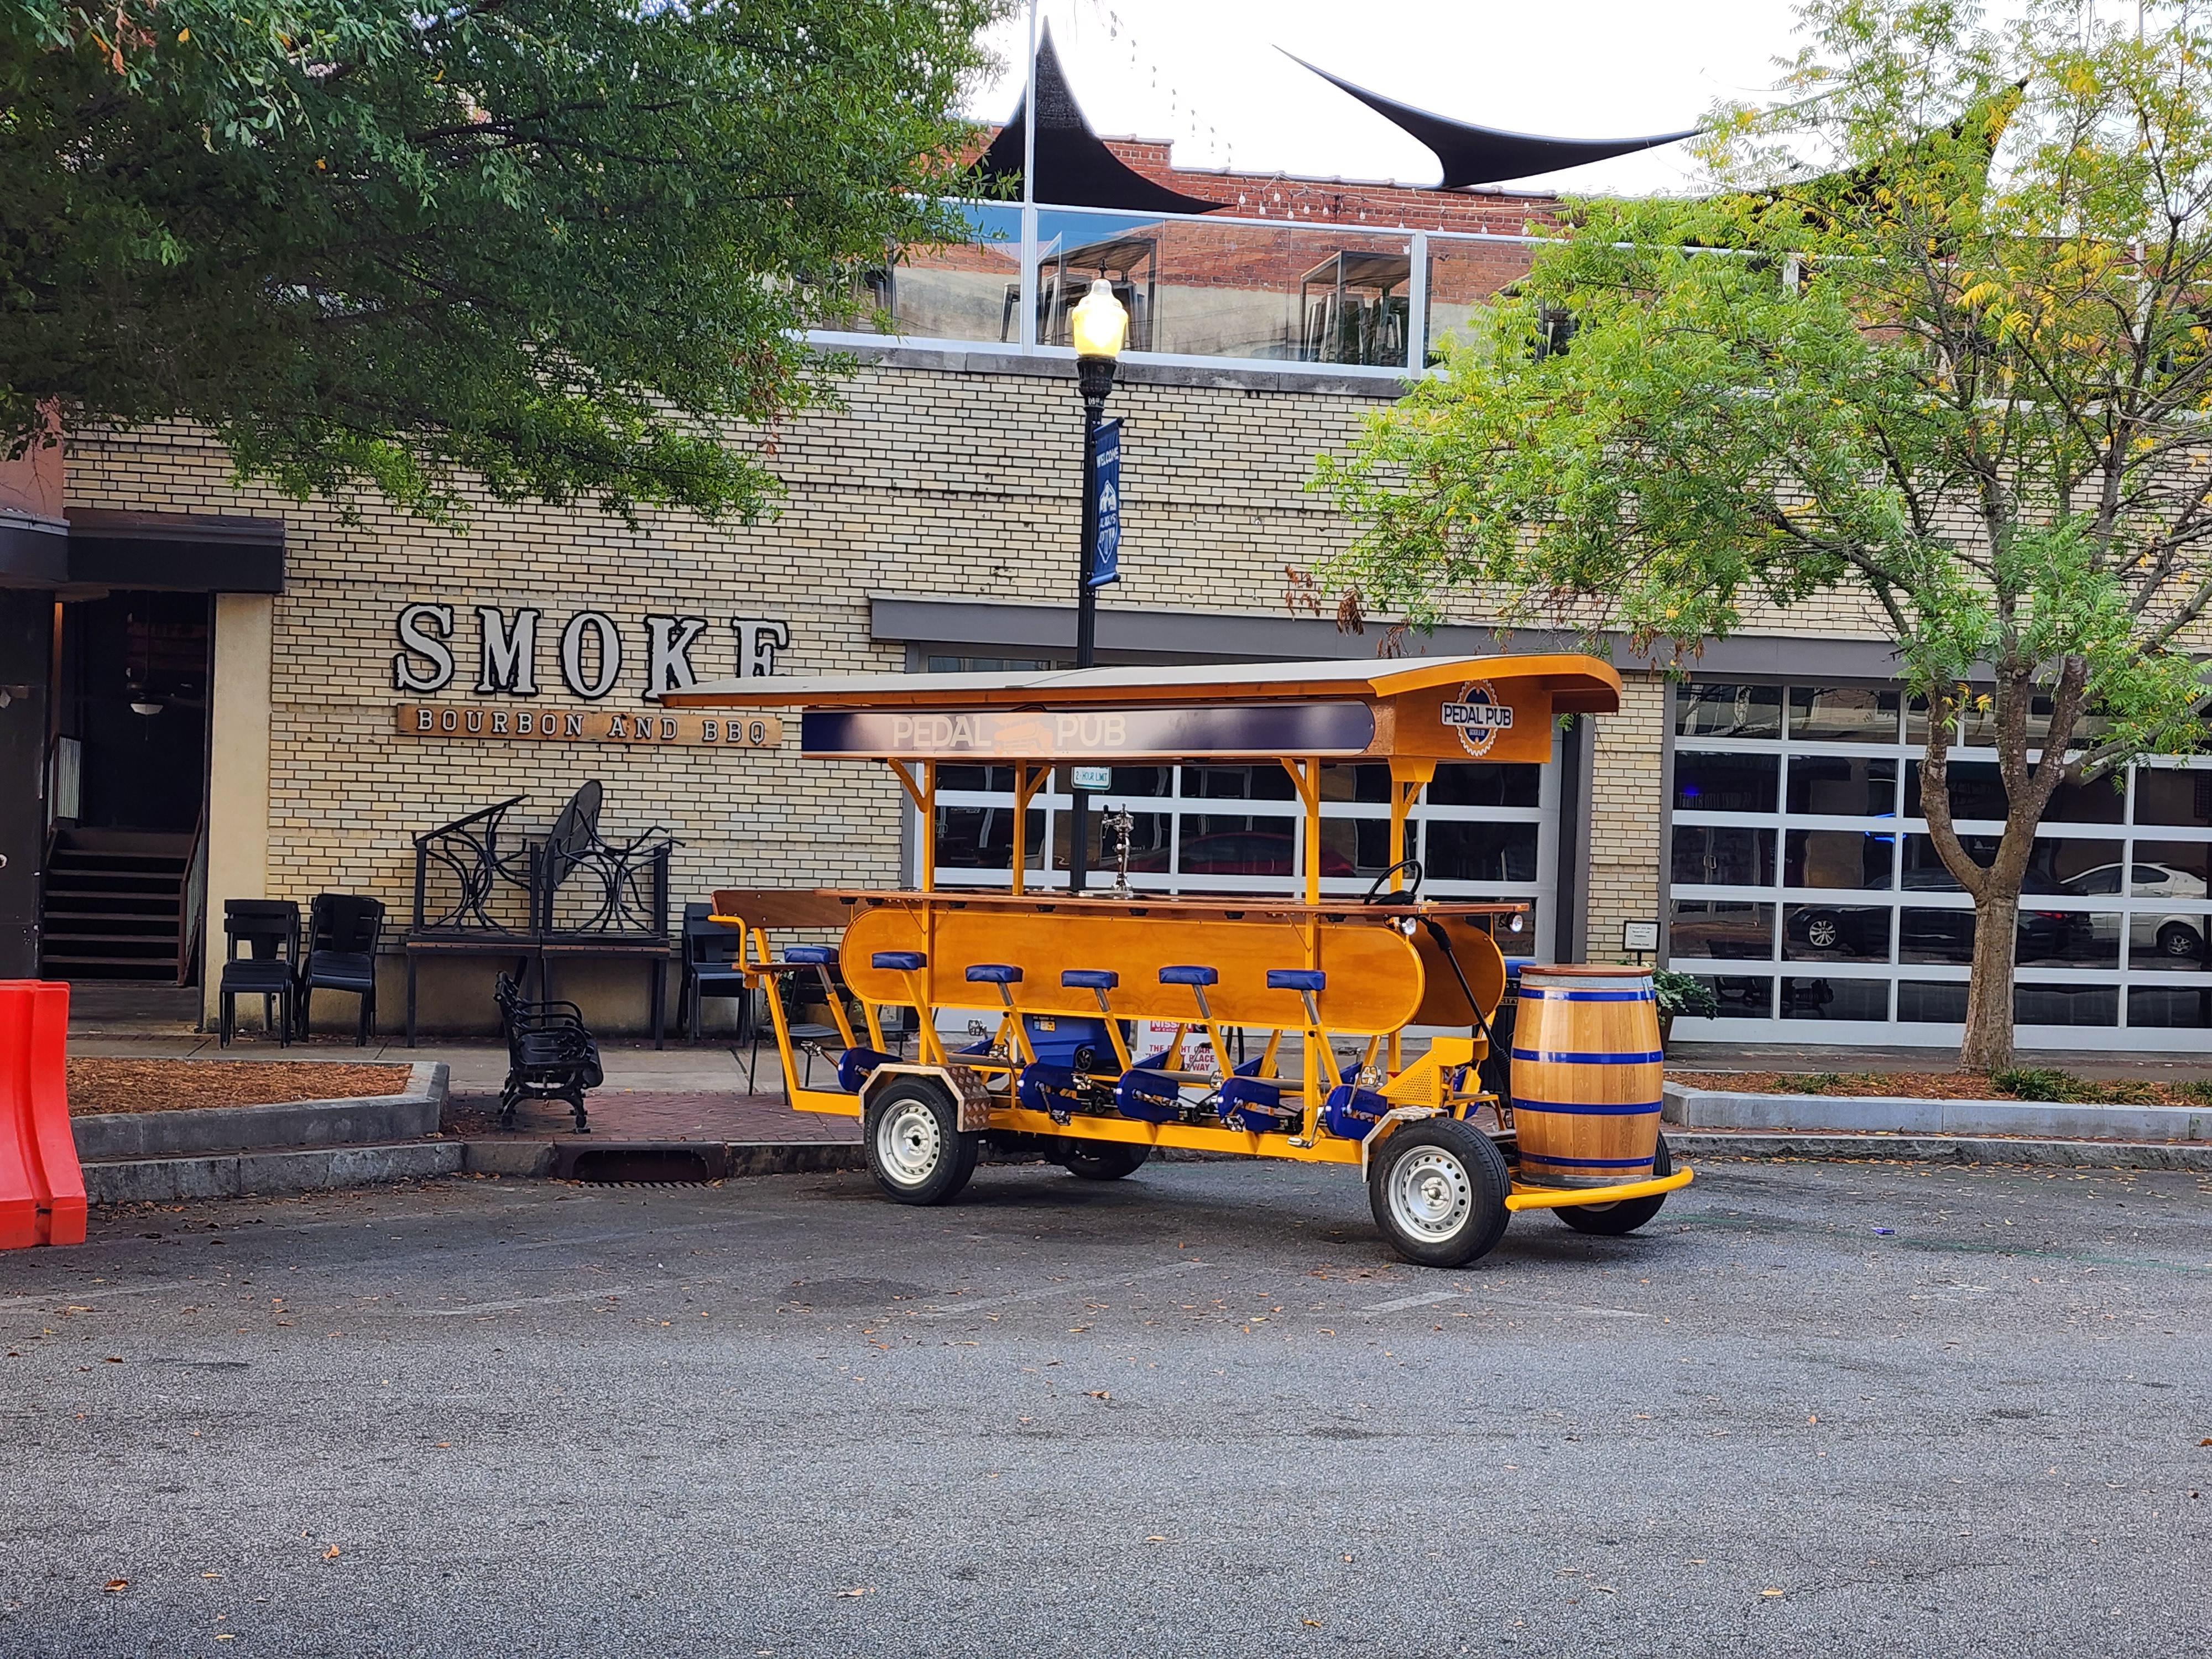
x=2035 y=1084
x=176 y=1085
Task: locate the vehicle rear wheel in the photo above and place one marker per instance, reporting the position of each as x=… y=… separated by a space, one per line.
x=1101 y=1160
x=1612 y=1220
x=1437 y=1187
x=2178 y=940
x=911 y=1139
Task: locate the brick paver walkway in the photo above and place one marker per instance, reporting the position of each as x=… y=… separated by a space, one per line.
x=655 y=1115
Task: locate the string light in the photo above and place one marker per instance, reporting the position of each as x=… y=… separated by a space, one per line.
x=1202 y=133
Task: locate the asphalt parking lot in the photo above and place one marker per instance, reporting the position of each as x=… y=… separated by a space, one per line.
x=1816 y=1409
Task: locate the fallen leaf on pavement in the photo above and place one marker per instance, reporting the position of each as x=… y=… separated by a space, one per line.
x=331 y=1553
x=865 y=1590
x=1099 y=1393
x=1770 y=1592
x=1313 y=1624
x=118 y=1585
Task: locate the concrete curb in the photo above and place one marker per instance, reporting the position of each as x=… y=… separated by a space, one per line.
x=115 y=1136
x=1715 y=1109
x=268 y=1173
x=1946 y=1149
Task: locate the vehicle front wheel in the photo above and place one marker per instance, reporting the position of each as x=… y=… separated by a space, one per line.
x=2179 y=941
x=1101 y=1160
x=911 y=1139
x=1612 y=1220
x=1437 y=1187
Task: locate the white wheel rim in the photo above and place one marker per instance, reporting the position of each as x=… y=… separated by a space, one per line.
x=908 y=1143
x=1431 y=1194
x=1821 y=933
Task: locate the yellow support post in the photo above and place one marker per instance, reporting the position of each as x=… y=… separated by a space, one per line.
x=1027 y=782
x=1408 y=777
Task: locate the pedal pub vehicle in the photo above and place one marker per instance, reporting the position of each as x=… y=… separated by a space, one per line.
x=1336 y=992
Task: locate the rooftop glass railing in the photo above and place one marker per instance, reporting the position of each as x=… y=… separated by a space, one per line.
x=1213 y=288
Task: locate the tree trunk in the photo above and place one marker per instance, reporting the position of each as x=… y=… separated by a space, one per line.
x=1987 y=1046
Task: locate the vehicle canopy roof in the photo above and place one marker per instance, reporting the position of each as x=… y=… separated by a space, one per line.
x=1486 y=708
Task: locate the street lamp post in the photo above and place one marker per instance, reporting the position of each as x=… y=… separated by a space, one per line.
x=1100 y=326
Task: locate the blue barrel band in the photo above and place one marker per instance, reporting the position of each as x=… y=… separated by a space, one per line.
x=1589 y=1162
x=1588 y=1109
x=1549 y=1057
x=1529 y=993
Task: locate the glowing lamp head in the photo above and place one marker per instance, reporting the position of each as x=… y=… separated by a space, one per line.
x=1100 y=324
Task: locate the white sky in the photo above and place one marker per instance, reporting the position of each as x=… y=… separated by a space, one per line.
x=1205 y=74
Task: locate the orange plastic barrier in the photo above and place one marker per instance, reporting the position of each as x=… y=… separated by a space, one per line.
x=41 y=1183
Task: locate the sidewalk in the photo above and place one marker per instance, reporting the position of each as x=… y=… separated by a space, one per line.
x=651 y=1114
x=477 y=1067
x=681 y=1093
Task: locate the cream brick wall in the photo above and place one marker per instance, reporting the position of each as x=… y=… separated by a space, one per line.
x=928 y=483
x=1625 y=815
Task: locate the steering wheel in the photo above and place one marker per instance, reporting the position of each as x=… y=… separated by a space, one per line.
x=1379 y=894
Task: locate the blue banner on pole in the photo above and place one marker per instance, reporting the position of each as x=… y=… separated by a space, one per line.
x=1106 y=561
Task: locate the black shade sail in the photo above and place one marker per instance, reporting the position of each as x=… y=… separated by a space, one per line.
x=1074 y=168
x=1485 y=155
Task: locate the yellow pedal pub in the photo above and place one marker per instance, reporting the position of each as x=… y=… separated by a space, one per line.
x=1330 y=988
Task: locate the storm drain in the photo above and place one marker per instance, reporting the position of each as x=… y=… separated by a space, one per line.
x=660 y=1166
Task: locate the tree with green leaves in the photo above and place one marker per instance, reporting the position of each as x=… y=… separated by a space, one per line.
x=1936 y=349
x=565 y=248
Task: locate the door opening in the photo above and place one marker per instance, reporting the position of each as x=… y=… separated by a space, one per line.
x=127 y=788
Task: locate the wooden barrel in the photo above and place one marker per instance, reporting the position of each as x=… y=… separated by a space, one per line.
x=1586 y=1074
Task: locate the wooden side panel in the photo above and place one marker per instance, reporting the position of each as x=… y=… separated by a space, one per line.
x=1480 y=959
x=1375 y=982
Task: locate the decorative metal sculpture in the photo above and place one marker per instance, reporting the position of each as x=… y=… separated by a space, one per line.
x=468 y=850
x=573 y=884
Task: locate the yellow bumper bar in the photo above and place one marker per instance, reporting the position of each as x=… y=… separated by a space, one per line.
x=1559 y=1197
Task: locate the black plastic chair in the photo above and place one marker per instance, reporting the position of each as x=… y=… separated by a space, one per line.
x=343 y=932
x=710 y=969
x=269 y=929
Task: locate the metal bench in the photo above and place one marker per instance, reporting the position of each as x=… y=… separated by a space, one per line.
x=551 y=1055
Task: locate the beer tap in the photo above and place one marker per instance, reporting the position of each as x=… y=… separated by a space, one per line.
x=1125 y=828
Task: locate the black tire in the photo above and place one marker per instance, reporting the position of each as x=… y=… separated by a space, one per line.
x=1612 y=1220
x=1437 y=1189
x=2179 y=941
x=1101 y=1160
x=911 y=1137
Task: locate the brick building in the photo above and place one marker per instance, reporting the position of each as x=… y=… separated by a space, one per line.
x=217 y=675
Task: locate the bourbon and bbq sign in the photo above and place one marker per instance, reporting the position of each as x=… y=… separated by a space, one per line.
x=594 y=652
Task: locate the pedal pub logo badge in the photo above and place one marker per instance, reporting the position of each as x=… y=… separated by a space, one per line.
x=1477 y=716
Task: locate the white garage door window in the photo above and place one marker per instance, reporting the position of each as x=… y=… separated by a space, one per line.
x=1804 y=889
